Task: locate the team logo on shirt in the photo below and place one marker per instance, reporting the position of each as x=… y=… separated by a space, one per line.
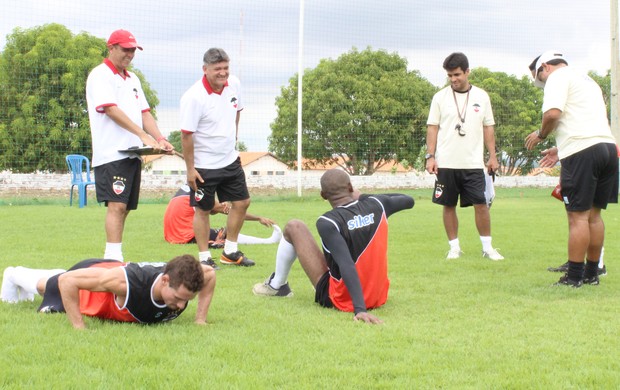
x=118 y=187
x=233 y=101
x=476 y=107
x=198 y=195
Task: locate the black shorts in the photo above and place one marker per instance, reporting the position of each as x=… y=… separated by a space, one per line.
x=321 y=295
x=589 y=178
x=468 y=183
x=228 y=183
x=52 y=301
x=119 y=181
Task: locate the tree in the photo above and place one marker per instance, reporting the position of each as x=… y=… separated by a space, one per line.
x=605 y=83
x=517 y=111
x=175 y=139
x=241 y=146
x=43 y=114
x=359 y=111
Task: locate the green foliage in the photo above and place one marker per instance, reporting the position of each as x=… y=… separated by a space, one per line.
x=517 y=105
x=605 y=83
x=43 y=73
x=242 y=147
x=464 y=324
x=359 y=111
x=175 y=139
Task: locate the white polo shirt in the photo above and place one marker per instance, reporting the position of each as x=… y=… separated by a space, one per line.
x=106 y=87
x=584 y=114
x=455 y=151
x=212 y=117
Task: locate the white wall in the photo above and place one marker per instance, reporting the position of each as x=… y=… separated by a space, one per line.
x=14 y=183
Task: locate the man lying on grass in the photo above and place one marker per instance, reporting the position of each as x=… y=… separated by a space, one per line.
x=112 y=290
x=351 y=272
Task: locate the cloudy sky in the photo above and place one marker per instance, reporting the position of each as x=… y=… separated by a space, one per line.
x=262 y=38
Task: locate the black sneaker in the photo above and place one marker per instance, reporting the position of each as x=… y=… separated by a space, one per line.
x=236 y=258
x=562 y=268
x=592 y=280
x=602 y=271
x=210 y=263
x=565 y=281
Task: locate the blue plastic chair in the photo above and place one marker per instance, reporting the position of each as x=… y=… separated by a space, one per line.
x=80 y=177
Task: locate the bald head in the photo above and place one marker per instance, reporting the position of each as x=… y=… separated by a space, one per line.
x=335 y=183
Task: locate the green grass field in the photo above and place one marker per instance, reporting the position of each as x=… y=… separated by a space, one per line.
x=463 y=324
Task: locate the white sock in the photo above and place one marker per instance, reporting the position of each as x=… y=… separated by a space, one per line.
x=24 y=295
x=9 y=292
x=454 y=244
x=204 y=256
x=601 y=262
x=486 y=243
x=113 y=251
x=230 y=247
x=243 y=239
x=27 y=278
x=285 y=257
x=275 y=237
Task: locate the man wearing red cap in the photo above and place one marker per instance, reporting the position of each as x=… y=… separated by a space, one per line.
x=120 y=118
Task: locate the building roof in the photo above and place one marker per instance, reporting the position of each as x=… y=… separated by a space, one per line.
x=338 y=162
x=246 y=157
x=307 y=164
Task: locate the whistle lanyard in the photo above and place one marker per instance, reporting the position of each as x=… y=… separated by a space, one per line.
x=462 y=112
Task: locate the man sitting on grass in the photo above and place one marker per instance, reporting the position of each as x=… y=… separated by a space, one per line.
x=112 y=290
x=351 y=273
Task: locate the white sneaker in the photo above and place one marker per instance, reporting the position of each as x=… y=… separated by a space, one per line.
x=9 y=292
x=492 y=254
x=454 y=254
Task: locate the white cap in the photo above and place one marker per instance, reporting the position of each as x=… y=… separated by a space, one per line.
x=544 y=58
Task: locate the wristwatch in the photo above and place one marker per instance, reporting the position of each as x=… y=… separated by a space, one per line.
x=429 y=155
x=539 y=135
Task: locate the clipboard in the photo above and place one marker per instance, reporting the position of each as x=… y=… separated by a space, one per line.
x=143 y=150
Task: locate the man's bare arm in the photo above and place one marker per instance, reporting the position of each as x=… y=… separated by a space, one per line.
x=91 y=279
x=205 y=295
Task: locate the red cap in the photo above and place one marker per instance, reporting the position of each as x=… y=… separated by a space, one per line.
x=124 y=39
